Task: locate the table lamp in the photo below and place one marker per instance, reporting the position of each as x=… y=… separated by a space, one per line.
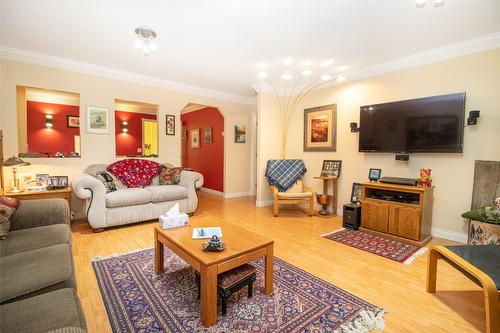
x=14 y=162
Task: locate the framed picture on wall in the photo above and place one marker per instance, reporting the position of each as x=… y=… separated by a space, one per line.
x=240 y=134
x=97 y=120
x=320 y=128
x=73 y=121
x=209 y=135
x=170 y=124
x=194 y=135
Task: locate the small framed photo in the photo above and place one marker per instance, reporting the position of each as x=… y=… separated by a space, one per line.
x=240 y=134
x=73 y=121
x=97 y=120
x=356 y=193
x=170 y=120
x=209 y=135
x=194 y=135
x=374 y=174
x=54 y=182
x=63 y=181
x=331 y=168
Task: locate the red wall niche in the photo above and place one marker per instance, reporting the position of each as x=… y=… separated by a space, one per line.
x=209 y=158
x=59 y=138
x=128 y=143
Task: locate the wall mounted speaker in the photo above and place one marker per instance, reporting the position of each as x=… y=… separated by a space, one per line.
x=473 y=115
x=354 y=127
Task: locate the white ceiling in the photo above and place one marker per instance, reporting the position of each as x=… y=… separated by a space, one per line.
x=216 y=44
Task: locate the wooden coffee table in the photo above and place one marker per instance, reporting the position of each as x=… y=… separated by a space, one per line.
x=242 y=246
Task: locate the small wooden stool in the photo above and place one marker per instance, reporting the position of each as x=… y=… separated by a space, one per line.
x=232 y=281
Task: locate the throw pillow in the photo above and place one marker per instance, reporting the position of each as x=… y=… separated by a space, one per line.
x=170 y=176
x=107 y=180
x=488 y=214
x=7 y=208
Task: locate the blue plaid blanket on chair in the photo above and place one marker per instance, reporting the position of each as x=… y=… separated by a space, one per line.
x=284 y=173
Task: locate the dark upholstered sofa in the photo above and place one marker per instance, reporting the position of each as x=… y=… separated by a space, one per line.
x=37 y=276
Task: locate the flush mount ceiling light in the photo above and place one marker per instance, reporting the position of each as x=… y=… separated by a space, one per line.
x=437 y=3
x=145 y=40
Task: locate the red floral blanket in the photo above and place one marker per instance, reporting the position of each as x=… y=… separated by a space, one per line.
x=134 y=172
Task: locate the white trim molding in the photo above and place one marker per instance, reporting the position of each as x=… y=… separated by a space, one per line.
x=451 y=235
x=214 y=192
x=10 y=53
x=236 y=195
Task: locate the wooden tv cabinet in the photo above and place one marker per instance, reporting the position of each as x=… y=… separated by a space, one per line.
x=398 y=211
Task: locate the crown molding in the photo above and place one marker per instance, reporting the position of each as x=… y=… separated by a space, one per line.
x=469 y=46
x=10 y=53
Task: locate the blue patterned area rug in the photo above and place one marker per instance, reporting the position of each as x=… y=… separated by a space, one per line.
x=138 y=300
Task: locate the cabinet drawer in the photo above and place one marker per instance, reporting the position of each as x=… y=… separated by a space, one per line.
x=404 y=222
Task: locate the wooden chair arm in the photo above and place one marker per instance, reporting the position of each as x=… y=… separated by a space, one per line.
x=275 y=192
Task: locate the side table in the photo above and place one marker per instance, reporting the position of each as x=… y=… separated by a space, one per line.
x=64 y=193
x=326 y=180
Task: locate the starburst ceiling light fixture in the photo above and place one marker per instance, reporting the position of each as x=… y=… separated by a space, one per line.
x=145 y=40
x=437 y=3
x=296 y=81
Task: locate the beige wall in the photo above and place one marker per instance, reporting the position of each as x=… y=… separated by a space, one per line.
x=478 y=75
x=98 y=91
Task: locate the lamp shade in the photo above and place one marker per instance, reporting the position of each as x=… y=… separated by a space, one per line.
x=14 y=162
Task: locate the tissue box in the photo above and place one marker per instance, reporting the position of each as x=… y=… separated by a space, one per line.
x=174 y=221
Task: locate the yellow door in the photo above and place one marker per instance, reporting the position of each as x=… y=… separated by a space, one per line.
x=149 y=137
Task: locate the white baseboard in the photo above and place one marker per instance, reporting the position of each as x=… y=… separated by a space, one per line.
x=214 y=192
x=263 y=203
x=451 y=235
x=236 y=195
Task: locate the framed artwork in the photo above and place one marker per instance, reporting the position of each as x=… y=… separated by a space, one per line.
x=240 y=134
x=195 y=138
x=73 y=121
x=320 y=128
x=374 y=174
x=209 y=135
x=331 y=168
x=184 y=135
x=97 y=120
x=170 y=124
x=356 y=193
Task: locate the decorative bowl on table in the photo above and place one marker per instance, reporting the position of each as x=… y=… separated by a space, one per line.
x=214 y=244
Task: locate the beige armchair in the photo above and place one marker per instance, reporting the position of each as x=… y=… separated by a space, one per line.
x=297 y=194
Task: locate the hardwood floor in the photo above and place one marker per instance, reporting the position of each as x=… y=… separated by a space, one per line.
x=398 y=288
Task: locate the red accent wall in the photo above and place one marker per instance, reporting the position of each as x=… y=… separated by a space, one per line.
x=209 y=158
x=128 y=143
x=59 y=138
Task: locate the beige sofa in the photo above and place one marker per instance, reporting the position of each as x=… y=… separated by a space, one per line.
x=37 y=277
x=130 y=205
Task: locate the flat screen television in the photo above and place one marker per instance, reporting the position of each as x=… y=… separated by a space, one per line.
x=422 y=125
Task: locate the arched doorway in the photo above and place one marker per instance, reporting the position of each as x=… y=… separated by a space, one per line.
x=202 y=144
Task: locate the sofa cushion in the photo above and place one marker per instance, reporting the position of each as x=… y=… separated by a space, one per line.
x=35 y=272
x=43 y=313
x=127 y=197
x=35 y=238
x=167 y=192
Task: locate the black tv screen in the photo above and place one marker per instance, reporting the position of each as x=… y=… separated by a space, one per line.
x=430 y=124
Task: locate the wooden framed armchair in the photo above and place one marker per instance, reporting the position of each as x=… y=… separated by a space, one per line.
x=297 y=194
x=481 y=264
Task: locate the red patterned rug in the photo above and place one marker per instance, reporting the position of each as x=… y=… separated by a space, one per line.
x=382 y=246
x=138 y=300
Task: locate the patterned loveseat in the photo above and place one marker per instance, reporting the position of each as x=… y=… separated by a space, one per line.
x=125 y=205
